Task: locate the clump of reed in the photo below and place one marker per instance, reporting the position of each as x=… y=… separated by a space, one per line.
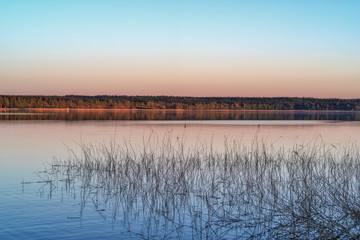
x=166 y=189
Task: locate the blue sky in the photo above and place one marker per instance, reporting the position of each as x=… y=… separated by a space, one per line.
x=197 y=48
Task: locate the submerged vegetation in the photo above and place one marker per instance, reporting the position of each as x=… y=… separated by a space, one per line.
x=165 y=189
x=172 y=102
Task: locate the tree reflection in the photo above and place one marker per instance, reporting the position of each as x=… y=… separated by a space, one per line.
x=172 y=115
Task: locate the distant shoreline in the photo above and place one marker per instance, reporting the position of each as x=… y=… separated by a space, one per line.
x=63 y=103
x=177 y=110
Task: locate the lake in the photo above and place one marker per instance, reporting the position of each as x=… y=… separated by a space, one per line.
x=43 y=197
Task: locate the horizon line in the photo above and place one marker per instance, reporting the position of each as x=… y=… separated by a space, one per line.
x=178 y=96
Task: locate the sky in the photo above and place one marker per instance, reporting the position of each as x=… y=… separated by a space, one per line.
x=307 y=48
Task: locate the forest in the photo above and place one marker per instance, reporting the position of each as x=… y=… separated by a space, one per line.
x=174 y=102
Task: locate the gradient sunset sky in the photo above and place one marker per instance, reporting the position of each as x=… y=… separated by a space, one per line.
x=304 y=48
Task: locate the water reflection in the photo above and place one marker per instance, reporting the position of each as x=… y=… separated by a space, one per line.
x=79 y=115
x=250 y=192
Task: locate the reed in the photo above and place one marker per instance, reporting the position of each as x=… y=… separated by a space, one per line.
x=165 y=189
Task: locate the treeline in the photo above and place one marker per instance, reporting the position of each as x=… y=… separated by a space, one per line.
x=171 y=102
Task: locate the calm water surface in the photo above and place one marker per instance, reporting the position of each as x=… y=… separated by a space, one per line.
x=28 y=143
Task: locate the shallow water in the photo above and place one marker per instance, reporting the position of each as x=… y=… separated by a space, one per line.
x=41 y=211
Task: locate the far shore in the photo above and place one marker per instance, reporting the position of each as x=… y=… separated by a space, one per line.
x=158 y=109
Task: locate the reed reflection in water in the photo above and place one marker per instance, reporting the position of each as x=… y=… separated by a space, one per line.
x=80 y=115
x=166 y=189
